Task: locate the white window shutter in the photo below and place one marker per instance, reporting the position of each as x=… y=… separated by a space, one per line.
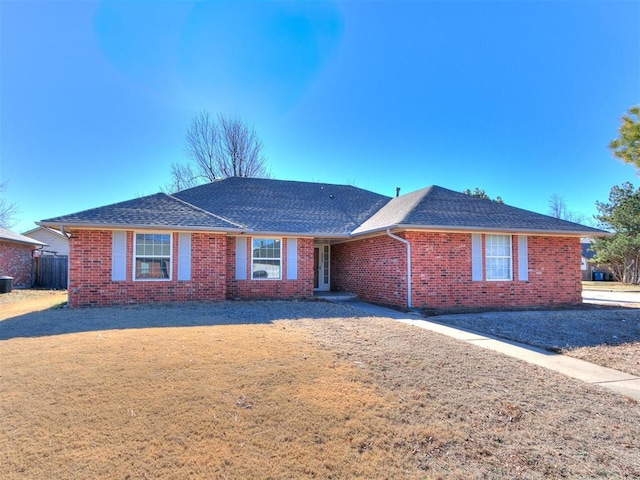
x=118 y=256
x=184 y=256
x=241 y=258
x=292 y=259
x=523 y=258
x=476 y=257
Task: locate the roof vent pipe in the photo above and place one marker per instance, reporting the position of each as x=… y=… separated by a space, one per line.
x=406 y=242
x=397 y=191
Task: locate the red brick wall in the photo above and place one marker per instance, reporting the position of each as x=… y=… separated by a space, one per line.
x=269 y=289
x=16 y=260
x=375 y=269
x=90 y=272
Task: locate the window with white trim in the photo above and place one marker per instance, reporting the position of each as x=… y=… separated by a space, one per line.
x=498 y=263
x=152 y=256
x=266 y=259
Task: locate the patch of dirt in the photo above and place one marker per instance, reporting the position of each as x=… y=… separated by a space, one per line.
x=291 y=390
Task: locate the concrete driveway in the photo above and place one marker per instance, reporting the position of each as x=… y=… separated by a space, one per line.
x=623 y=299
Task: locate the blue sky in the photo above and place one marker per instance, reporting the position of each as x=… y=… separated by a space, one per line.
x=519 y=98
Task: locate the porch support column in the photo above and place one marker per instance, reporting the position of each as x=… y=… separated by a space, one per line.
x=406 y=242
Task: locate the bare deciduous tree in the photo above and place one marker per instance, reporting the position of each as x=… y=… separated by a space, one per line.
x=558 y=209
x=182 y=177
x=218 y=148
x=8 y=211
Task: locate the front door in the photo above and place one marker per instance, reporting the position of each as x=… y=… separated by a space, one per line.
x=321 y=268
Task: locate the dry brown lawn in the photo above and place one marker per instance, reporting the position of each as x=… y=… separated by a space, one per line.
x=624 y=357
x=610 y=286
x=320 y=393
x=19 y=302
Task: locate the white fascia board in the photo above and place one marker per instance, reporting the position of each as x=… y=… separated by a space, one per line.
x=275 y=233
x=451 y=229
x=130 y=226
x=33 y=243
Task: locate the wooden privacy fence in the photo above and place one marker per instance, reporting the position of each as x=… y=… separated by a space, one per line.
x=50 y=272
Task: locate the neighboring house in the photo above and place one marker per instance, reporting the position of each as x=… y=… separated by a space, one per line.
x=244 y=238
x=592 y=271
x=57 y=242
x=16 y=257
x=586 y=265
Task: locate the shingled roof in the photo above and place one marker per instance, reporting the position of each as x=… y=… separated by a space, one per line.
x=317 y=209
x=265 y=205
x=9 y=236
x=439 y=208
x=153 y=211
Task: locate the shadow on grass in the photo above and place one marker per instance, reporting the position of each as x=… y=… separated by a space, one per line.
x=60 y=321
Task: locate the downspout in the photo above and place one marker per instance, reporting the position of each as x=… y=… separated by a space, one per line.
x=406 y=242
x=68 y=263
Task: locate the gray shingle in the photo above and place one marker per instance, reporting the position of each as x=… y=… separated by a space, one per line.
x=159 y=210
x=435 y=207
x=9 y=236
x=266 y=205
x=289 y=207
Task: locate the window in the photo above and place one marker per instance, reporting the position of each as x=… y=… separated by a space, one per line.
x=266 y=258
x=152 y=256
x=498 y=257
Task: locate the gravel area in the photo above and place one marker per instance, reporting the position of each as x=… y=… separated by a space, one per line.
x=610 y=338
x=554 y=330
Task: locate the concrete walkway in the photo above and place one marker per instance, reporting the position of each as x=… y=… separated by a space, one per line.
x=619 y=382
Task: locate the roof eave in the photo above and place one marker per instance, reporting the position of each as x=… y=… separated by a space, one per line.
x=476 y=229
x=131 y=226
x=33 y=243
x=189 y=228
x=277 y=233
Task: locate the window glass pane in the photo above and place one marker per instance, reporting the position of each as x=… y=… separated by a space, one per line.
x=498 y=269
x=266 y=248
x=152 y=256
x=266 y=258
x=266 y=269
x=498 y=257
x=325 y=273
x=152 y=268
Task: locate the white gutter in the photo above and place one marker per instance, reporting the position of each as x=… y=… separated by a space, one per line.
x=406 y=242
x=131 y=226
x=472 y=229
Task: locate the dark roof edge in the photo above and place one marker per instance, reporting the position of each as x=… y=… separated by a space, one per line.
x=192 y=228
x=131 y=226
x=471 y=229
x=257 y=233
